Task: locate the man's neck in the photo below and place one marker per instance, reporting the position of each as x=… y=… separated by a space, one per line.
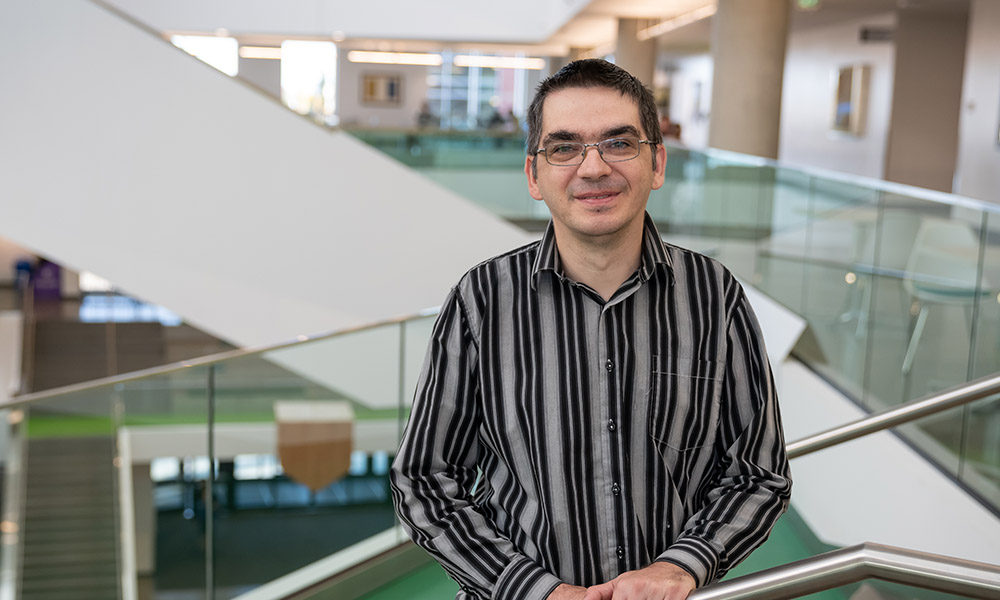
x=601 y=263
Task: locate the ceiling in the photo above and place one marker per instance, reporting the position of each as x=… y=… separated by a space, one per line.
x=596 y=25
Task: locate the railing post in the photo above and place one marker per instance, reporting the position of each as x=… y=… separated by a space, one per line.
x=210 y=492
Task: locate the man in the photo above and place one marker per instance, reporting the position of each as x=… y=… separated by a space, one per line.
x=596 y=417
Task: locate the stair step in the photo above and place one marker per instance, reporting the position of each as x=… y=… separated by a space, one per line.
x=80 y=582
x=61 y=569
x=68 y=595
x=70 y=528
x=69 y=514
x=82 y=548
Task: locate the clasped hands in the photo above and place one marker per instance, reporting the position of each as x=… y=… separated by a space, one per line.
x=658 y=581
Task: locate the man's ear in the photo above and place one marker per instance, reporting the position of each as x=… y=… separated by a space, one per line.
x=659 y=165
x=531 y=172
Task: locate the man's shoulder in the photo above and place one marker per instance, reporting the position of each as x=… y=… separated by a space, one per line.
x=694 y=265
x=520 y=259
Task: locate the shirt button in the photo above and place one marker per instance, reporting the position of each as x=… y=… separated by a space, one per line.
x=611 y=424
x=609 y=365
x=621 y=552
x=615 y=489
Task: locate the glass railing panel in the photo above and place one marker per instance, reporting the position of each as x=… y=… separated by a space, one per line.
x=678 y=205
x=164 y=428
x=837 y=240
x=447 y=149
x=303 y=441
x=71 y=509
x=980 y=449
x=925 y=296
x=986 y=327
x=779 y=256
x=485 y=167
x=501 y=190
x=716 y=205
x=980 y=468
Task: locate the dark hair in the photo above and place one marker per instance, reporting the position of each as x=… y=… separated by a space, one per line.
x=594 y=72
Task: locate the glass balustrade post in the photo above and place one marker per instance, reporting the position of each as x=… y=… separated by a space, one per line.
x=963 y=444
x=401 y=422
x=400 y=418
x=867 y=314
x=210 y=491
x=808 y=243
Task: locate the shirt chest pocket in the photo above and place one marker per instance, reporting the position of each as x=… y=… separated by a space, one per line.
x=684 y=399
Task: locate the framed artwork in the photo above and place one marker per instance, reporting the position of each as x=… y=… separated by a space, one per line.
x=851 y=99
x=381 y=89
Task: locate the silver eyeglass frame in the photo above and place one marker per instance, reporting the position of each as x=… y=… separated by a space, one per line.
x=583 y=152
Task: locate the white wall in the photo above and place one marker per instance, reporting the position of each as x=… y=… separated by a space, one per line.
x=977 y=173
x=126 y=157
x=814 y=54
x=923 y=135
x=353 y=111
x=691 y=96
x=446 y=20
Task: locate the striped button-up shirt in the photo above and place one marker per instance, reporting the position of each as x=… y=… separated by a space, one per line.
x=558 y=437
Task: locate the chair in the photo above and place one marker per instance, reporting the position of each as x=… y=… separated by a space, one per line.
x=942 y=269
x=894 y=243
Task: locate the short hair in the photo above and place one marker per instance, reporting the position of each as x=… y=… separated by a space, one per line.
x=594 y=72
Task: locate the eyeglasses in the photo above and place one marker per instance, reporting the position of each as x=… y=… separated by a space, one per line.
x=571 y=154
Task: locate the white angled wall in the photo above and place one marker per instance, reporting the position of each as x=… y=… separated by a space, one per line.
x=123 y=156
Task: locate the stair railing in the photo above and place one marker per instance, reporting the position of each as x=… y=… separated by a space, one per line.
x=857 y=563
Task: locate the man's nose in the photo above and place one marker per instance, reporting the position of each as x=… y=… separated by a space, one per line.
x=593 y=164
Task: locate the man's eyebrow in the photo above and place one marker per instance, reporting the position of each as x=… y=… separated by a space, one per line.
x=563 y=135
x=620 y=130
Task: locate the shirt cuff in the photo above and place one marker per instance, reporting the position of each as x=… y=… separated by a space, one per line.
x=522 y=579
x=694 y=555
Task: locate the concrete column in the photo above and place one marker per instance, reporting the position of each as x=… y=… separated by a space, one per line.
x=748 y=49
x=927 y=97
x=635 y=56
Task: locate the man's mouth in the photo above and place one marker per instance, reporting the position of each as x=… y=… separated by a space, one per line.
x=595 y=196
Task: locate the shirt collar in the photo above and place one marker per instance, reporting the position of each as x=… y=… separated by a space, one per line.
x=653 y=253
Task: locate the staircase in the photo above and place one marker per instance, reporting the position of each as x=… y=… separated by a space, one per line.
x=67 y=352
x=70 y=532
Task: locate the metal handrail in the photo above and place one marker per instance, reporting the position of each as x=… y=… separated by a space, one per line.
x=207 y=360
x=878 y=185
x=856 y=563
x=897 y=415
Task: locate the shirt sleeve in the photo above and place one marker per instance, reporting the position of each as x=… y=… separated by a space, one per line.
x=751 y=484
x=435 y=470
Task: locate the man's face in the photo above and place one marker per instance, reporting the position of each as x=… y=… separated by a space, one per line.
x=597 y=200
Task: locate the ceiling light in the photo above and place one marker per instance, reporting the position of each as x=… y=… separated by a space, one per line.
x=677 y=22
x=262 y=52
x=499 y=62
x=394 y=58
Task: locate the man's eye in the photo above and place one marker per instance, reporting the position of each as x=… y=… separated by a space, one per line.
x=619 y=144
x=563 y=149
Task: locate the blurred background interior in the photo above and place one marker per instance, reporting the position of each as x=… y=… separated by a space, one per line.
x=224 y=228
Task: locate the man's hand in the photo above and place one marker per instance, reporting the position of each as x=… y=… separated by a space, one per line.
x=567 y=592
x=658 y=581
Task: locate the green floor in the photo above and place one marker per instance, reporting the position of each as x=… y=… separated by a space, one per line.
x=790 y=540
